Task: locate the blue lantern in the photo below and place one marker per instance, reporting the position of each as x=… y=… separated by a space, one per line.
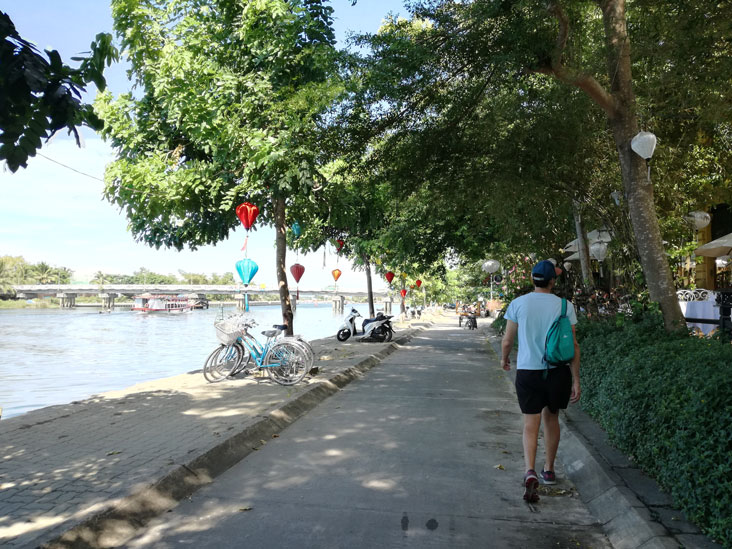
x=296 y=229
x=246 y=269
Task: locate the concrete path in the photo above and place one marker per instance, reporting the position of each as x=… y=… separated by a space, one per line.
x=423 y=451
x=102 y=466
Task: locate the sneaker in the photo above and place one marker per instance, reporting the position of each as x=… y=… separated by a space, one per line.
x=548 y=477
x=531 y=483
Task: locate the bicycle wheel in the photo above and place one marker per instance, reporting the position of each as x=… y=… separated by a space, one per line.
x=305 y=346
x=207 y=365
x=286 y=363
x=225 y=361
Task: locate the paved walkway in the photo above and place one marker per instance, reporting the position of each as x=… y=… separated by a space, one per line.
x=63 y=465
x=423 y=451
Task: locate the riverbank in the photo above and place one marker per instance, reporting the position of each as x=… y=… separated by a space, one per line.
x=126 y=455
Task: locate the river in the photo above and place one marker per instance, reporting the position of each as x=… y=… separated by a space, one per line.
x=55 y=356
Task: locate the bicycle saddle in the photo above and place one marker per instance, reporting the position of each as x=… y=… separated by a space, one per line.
x=271 y=333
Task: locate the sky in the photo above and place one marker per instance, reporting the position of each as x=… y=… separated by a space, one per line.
x=53 y=210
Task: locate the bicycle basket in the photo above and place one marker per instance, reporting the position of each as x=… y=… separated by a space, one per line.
x=227 y=331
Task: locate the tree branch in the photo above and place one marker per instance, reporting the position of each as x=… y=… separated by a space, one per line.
x=583 y=81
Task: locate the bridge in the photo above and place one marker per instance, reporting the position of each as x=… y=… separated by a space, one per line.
x=68 y=293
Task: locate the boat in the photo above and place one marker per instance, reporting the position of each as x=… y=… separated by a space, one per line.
x=153 y=303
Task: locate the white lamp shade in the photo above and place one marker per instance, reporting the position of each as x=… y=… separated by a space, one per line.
x=599 y=250
x=699 y=219
x=491 y=266
x=644 y=144
x=567 y=266
x=554 y=261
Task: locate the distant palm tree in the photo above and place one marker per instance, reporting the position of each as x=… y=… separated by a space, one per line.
x=99 y=278
x=45 y=274
x=6 y=277
x=63 y=275
x=23 y=273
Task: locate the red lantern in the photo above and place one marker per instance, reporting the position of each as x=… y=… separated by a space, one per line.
x=418 y=282
x=336 y=274
x=340 y=244
x=247 y=214
x=404 y=293
x=297 y=271
x=389 y=277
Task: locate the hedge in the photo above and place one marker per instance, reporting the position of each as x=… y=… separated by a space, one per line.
x=666 y=401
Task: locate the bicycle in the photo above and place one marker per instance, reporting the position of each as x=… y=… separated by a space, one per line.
x=286 y=360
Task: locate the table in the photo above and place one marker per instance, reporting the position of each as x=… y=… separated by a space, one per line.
x=701 y=309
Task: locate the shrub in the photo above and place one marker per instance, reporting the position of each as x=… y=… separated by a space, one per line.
x=666 y=400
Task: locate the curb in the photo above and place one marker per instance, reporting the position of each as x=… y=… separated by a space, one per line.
x=625 y=520
x=124 y=517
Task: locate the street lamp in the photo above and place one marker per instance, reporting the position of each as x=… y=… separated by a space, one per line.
x=490 y=267
x=643 y=144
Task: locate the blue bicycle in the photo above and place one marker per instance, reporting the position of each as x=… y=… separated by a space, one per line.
x=286 y=360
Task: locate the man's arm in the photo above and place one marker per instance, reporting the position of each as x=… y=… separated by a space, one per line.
x=575 y=367
x=507 y=344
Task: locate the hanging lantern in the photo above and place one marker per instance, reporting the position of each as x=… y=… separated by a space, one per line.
x=643 y=144
x=552 y=261
x=246 y=269
x=418 y=282
x=599 y=250
x=296 y=230
x=297 y=271
x=336 y=274
x=389 y=276
x=491 y=266
x=698 y=219
x=404 y=276
x=411 y=286
x=339 y=245
x=404 y=293
x=247 y=214
x=567 y=266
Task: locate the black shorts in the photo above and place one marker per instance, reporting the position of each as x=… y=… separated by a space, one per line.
x=535 y=393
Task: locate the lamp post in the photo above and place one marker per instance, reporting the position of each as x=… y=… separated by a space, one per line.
x=490 y=267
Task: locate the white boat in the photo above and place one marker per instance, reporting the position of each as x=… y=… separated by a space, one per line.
x=151 y=303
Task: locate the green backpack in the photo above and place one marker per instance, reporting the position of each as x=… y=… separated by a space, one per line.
x=559 y=346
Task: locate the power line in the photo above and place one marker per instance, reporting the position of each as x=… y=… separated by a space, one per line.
x=69 y=167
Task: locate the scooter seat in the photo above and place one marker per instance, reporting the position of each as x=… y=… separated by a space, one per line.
x=271 y=333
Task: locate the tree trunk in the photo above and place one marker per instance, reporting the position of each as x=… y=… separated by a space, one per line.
x=403 y=305
x=369 y=288
x=281 y=241
x=583 y=249
x=637 y=185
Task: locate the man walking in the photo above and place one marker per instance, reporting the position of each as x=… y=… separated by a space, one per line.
x=542 y=389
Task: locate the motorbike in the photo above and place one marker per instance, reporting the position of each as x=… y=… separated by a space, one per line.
x=377 y=329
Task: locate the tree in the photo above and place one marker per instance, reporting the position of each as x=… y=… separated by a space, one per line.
x=6 y=276
x=38 y=97
x=230 y=95
x=100 y=278
x=44 y=273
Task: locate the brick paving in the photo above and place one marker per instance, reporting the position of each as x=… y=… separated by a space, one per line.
x=63 y=464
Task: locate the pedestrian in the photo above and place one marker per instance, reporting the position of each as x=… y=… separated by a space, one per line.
x=542 y=389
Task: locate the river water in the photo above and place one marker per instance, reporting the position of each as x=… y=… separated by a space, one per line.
x=54 y=356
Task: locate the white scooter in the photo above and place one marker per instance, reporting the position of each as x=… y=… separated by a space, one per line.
x=376 y=329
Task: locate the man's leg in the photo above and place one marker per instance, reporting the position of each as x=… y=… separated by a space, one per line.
x=551 y=437
x=531 y=437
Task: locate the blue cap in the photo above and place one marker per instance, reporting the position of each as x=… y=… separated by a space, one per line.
x=544 y=270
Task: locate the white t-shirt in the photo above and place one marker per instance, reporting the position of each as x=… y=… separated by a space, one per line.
x=534 y=313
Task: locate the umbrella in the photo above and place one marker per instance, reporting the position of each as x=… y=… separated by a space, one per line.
x=598 y=235
x=716 y=248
